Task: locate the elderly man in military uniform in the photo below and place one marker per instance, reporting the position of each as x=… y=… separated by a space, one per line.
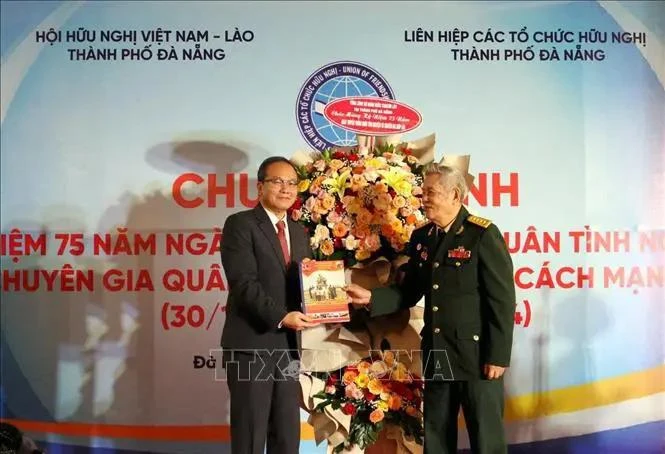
x=461 y=265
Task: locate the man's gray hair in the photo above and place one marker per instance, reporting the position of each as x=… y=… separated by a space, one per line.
x=450 y=178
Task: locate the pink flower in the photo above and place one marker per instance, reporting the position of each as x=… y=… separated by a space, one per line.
x=349 y=390
x=310 y=203
x=353 y=392
x=373 y=242
x=330 y=389
x=334 y=217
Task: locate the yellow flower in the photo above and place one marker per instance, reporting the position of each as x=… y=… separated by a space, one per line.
x=303 y=185
x=338 y=183
x=401 y=374
x=403 y=188
x=362 y=254
x=362 y=380
x=395 y=177
x=397 y=226
x=375 y=386
x=375 y=163
x=382 y=405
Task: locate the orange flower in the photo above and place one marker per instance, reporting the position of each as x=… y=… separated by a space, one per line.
x=327 y=247
x=363 y=367
x=361 y=231
x=316 y=184
x=394 y=402
x=411 y=411
x=364 y=217
x=387 y=230
x=411 y=219
x=363 y=254
x=380 y=187
x=340 y=230
x=327 y=203
x=376 y=416
x=335 y=164
x=349 y=376
x=399 y=201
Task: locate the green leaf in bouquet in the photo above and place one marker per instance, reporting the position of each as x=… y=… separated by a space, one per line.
x=302 y=172
x=321 y=406
x=339 y=448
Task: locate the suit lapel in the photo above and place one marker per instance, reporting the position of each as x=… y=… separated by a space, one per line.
x=269 y=231
x=296 y=240
x=450 y=235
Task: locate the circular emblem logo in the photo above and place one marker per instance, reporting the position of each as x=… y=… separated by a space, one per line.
x=335 y=81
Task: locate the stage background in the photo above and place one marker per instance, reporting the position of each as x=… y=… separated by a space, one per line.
x=91 y=146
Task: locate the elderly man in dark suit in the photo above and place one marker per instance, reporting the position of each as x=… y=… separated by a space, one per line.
x=261 y=341
x=461 y=265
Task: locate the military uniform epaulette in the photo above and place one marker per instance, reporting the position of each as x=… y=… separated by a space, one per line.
x=477 y=220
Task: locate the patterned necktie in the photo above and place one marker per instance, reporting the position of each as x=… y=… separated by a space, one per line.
x=282 y=241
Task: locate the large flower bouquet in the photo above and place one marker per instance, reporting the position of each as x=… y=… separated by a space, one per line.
x=375 y=391
x=360 y=204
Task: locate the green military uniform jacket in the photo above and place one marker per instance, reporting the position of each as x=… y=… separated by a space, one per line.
x=467 y=281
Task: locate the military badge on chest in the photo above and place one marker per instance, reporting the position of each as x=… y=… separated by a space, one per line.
x=459 y=253
x=422 y=250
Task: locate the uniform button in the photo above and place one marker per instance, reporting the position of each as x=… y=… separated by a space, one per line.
x=435 y=286
x=435 y=308
x=475 y=337
x=436 y=264
x=437 y=330
x=457 y=263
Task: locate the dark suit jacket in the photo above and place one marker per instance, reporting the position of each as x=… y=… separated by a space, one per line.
x=467 y=281
x=262 y=289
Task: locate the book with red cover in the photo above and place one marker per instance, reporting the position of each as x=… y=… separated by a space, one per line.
x=322 y=284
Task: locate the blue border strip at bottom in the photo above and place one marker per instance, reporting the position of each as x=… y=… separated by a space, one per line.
x=641 y=439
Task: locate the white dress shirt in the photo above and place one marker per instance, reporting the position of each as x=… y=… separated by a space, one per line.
x=274 y=220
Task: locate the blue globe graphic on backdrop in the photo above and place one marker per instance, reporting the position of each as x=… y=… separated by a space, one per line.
x=339 y=87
